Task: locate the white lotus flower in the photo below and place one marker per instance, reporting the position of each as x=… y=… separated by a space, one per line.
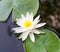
x=28 y=26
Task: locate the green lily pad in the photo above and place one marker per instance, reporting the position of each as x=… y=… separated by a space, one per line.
x=59 y=48
x=19 y=7
x=24 y=6
x=48 y=42
x=5 y=9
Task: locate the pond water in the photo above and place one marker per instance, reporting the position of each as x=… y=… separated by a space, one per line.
x=8 y=40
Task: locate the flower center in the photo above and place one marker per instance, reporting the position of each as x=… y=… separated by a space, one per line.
x=28 y=24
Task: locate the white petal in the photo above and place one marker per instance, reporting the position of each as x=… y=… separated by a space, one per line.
x=18 y=29
x=29 y=16
x=20 y=36
x=17 y=19
x=23 y=17
x=24 y=35
x=36 y=31
x=31 y=35
x=19 y=23
x=36 y=19
x=40 y=25
x=37 y=22
x=41 y=32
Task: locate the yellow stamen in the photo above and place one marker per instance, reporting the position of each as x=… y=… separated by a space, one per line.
x=28 y=24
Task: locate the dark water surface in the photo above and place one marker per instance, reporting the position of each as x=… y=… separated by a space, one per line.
x=8 y=40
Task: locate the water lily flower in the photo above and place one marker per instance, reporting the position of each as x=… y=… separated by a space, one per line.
x=28 y=26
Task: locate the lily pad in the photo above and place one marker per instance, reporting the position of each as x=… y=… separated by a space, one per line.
x=19 y=7
x=24 y=6
x=5 y=9
x=48 y=42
